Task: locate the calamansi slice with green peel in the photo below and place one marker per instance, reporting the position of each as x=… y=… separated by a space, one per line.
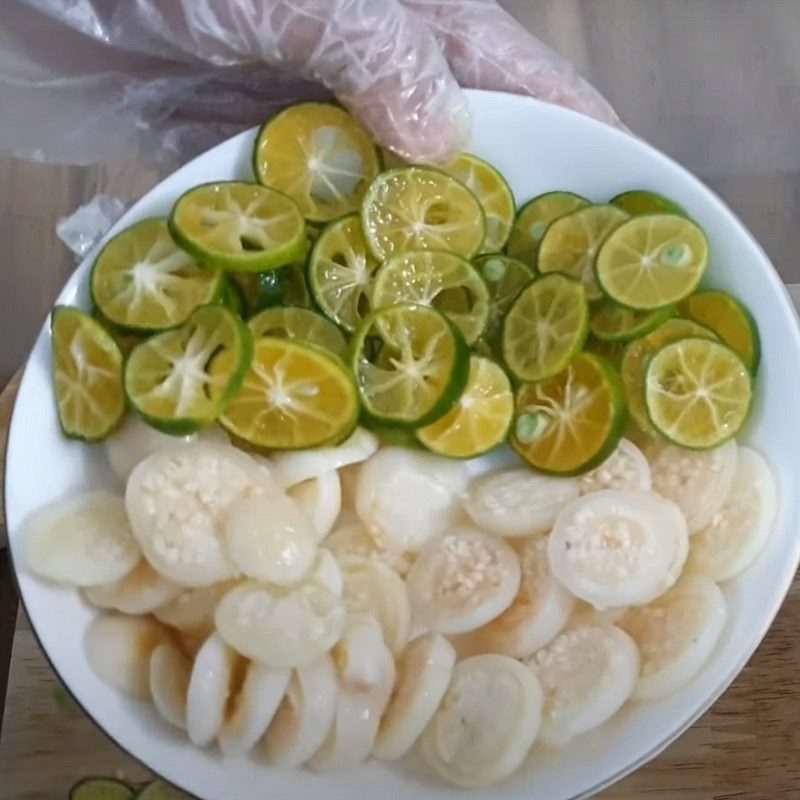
x=634 y=363
x=571 y=242
x=259 y=290
x=101 y=789
x=729 y=319
x=698 y=393
x=641 y=201
x=294 y=396
x=533 y=220
x=614 y=323
x=480 y=420
x=143 y=281
x=125 y=340
x=421 y=208
x=493 y=193
x=505 y=278
x=545 y=328
x=158 y=790
x=340 y=270
x=439 y=279
x=570 y=422
x=411 y=365
x=299 y=323
x=239 y=226
x=318 y=155
x=87 y=375
x=181 y=379
x=652 y=260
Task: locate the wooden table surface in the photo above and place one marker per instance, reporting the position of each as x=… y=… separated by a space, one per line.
x=713 y=83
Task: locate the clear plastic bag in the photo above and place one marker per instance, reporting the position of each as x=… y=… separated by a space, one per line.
x=83 y=81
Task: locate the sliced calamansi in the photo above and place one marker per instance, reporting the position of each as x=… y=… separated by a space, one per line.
x=480 y=420
x=238 y=226
x=421 y=208
x=697 y=393
x=366 y=672
x=617 y=548
x=259 y=290
x=572 y=241
x=571 y=422
x=180 y=380
x=493 y=193
x=318 y=155
x=291 y=322
x=487 y=721
x=423 y=674
x=340 y=271
x=517 y=502
x=729 y=319
x=463 y=580
x=613 y=323
x=586 y=673
x=652 y=260
x=676 y=634
x=532 y=221
x=83 y=540
x=371 y=587
x=411 y=364
x=304 y=716
x=143 y=281
x=698 y=482
x=439 y=279
x=87 y=375
x=736 y=534
x=254 y=617
x=636 y=356
x=295 y=395
x=641 y=201
x=545 y=328
x=505 y=278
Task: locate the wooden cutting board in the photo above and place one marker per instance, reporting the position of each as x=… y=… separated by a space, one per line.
x=746 y=748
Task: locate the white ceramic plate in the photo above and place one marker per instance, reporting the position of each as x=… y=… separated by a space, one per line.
x=538 y=148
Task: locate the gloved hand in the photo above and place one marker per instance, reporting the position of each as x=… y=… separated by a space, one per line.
x=87 y=80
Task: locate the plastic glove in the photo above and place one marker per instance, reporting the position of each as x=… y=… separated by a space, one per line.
x=88 y=80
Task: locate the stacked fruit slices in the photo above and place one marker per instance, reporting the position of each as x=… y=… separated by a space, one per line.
x=414 y=300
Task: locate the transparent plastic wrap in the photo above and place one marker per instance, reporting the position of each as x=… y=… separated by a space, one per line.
x=83 y=81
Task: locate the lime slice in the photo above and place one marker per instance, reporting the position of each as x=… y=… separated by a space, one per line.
x=411 y=364
x=651 y=261
x=238 y=226
x=340 y=272
x=143 y=281
x=259 y=290
x=125 y=340
x=640 y=201
x=101 y=789
x=634 y=363
x=480 y=420
x=439 y=279
x=158 y=790
x=532 y=221
x=87 y=375
x=420 y=208
x=295 y=288
x=493 y=193
x=610 y=351
x=545 y=328
x=172 y=380
x=570 y=422
x=698 y=393
x=729 y=319
x=294 y=396
x=299 y=323
x=233 y=298
x=571 y=242
x=318 y=155
x=505 y=278
x=613 y=323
